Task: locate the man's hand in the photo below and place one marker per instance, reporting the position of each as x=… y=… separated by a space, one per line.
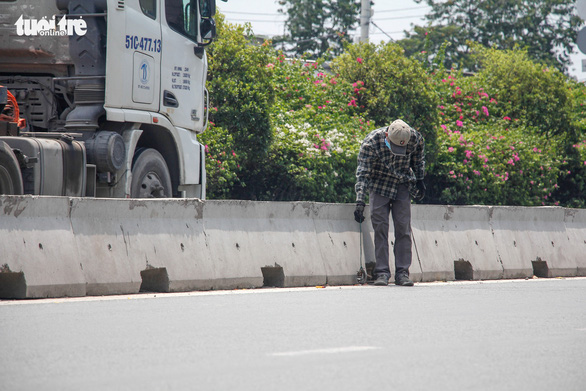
x=359 y=212
x=420 y=190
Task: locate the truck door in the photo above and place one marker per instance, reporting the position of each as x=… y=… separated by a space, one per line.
x=182 y=70
x=134 y=52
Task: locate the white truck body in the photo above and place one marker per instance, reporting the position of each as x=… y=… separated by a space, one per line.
x=118 y=86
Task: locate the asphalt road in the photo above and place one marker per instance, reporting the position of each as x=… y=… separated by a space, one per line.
x=505 y=335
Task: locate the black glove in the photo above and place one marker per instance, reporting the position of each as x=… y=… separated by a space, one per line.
x=359 y=212
x=420 y=190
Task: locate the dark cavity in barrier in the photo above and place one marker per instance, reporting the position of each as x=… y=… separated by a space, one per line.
x=273 y=276
x=154 y=280
x=540 y=268
x=463 y=270
x=12 y=284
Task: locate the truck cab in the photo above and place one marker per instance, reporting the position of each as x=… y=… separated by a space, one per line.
x=110 y=96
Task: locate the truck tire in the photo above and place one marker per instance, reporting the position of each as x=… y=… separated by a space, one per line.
x=150 y=175
x=10 y=175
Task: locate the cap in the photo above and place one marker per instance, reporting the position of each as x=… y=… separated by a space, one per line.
x=399 y=134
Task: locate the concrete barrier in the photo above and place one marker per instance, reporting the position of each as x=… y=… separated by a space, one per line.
x=575 y=221
x=455 y=243
x=533 y=241
x=59 y=246
x=338 y=240
x=39 y=255
x=264 y=243
x=127 y=244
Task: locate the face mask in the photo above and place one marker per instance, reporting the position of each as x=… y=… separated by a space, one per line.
x=387 y=142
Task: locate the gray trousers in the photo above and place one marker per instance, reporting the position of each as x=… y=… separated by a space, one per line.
x=400 y=209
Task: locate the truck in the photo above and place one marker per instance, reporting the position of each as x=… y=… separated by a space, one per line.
x=104 y=98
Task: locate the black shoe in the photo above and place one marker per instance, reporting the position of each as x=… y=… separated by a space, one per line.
x=382 y=280
x=402 y=279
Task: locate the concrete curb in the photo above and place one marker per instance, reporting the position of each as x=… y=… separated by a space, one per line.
x=60 y=246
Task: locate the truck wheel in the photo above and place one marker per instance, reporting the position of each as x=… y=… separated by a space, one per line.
x=10 y=176
x=150 y=175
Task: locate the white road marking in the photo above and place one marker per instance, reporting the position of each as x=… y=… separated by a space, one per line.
x=346 y=349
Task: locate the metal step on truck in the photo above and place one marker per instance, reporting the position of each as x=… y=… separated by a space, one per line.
x=104 y=98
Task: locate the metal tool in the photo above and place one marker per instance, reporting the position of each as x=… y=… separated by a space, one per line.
x=361 y=274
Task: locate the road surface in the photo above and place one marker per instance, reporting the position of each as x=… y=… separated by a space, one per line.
x=499 y=335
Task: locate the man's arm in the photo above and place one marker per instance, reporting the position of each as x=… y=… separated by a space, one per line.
x=365 y=158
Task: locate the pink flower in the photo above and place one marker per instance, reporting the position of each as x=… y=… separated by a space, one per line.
x=507 y=118
x=459 y=123
x=359 y=60
x=207 y=149
x=352 y=102
x=450 y=149
x=485 y=110
x=444 y=127
x=469 y=154
x=270 y=65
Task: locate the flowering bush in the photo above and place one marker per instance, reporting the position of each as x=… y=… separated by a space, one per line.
x=317 y=134
x=241 y=97
x=496 y=164
x=391 y=86
x=534 y=93
x=572 y=189
x=485 y=155
x=513 y=134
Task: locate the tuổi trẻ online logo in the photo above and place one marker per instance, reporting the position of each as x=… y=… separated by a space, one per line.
x=49 y=27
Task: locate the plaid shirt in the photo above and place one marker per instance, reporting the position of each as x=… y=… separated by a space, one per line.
x=381 y=171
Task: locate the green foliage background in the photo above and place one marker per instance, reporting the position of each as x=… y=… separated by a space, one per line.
x=546 y=28
x=511 y=134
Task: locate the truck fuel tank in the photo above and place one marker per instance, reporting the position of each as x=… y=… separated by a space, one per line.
x=59 y=169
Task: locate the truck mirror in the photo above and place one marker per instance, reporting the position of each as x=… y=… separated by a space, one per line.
x=208 y=29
